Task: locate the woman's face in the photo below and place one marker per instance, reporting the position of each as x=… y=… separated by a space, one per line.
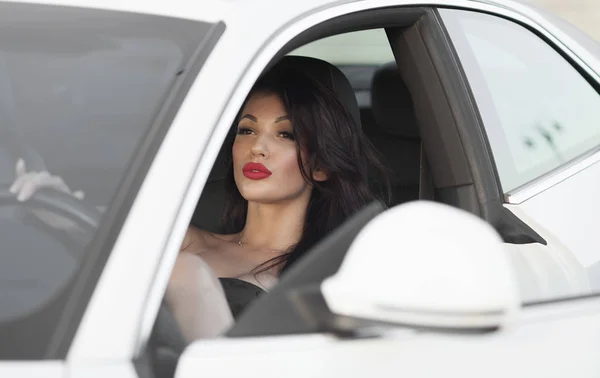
x=265 y=162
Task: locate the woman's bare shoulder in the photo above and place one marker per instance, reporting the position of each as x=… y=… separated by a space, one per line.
x=198 y=239
x=194 y=237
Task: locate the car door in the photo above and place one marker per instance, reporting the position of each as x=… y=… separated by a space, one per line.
x=92 y=93
x=541 y=108
x=553 y=339
x=534 y=345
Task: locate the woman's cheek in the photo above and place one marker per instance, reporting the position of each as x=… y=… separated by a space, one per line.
x=236 y=151
x=291 y=167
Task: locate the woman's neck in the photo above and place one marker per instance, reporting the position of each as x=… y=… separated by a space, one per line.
x=274 y=227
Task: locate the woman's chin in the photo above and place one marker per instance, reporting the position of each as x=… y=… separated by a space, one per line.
x=257 y=193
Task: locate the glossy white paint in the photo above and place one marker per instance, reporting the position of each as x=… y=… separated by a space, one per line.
x=541 y=345
x=91 y=369
x=574 y=215
x=230 y=11
x=461 y=278
x=545 y=272
x=211 y=11
x=33 y=369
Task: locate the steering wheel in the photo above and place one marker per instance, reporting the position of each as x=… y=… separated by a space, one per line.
x=59 y=203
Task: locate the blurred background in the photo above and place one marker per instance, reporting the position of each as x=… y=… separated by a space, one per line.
x=585 y=14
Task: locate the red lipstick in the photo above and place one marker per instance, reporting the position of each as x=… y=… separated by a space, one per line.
x=256 y=171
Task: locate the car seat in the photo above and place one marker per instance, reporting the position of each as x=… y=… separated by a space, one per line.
x=395 y=133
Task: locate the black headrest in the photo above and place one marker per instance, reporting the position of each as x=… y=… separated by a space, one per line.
x=392 y=104
x=328 y=75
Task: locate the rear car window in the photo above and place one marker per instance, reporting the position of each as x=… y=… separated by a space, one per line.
x=79 y=90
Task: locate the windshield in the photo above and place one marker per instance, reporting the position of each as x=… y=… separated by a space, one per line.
x=79 y=89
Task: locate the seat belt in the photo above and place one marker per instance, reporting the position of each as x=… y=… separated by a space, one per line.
x=426 y=188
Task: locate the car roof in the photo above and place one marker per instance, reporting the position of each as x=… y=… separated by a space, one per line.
x=242 y=16
x=218 y=10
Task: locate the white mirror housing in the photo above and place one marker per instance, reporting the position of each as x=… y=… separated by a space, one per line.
x=426 y=264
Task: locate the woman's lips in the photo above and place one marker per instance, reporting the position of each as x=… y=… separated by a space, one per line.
x=256 y=171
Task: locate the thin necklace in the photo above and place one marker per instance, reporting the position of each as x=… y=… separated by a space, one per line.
x=270 y=250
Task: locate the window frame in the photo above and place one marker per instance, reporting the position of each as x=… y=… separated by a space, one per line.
x=294 y=33
x=551 y=177
x=318 y=30
x=494 y=212
x=71 y=304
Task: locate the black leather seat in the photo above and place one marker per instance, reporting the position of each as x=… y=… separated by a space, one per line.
x=212 y=201
x=395 y=133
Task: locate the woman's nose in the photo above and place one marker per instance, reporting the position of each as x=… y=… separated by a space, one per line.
x=260 y=147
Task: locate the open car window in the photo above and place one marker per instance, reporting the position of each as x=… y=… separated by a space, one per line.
x=79 y=90
x=357 y=54
x=279 y=313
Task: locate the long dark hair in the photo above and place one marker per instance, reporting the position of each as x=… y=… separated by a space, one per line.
x=333 y=142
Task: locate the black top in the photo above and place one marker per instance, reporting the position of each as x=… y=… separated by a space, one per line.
x=239 y=294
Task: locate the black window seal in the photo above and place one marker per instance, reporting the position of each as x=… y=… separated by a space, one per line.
x=476 y=144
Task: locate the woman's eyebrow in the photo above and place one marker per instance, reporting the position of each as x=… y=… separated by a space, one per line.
x=250 y=117
x=282 y=118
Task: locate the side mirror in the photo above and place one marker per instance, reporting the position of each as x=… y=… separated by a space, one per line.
x=425 y=264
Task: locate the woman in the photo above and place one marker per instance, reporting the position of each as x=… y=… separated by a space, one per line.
x=299 y=168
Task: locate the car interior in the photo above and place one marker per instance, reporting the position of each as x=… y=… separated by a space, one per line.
x=381 y=104
x=356 y=86
x=366 y=90
x=394 y=70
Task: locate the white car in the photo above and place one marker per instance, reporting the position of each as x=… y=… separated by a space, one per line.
x=489 y=106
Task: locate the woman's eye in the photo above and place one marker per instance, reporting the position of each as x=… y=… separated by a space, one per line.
x=244 y=131
x=287 y=135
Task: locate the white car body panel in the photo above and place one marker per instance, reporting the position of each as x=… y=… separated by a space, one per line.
x=546 y=272
x=33 y=369
x=88 y=369
x=525 y=350
x=584 y=206
x=211 y=11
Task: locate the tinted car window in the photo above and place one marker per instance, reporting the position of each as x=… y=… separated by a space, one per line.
x=79 y=90
x=538 y=110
